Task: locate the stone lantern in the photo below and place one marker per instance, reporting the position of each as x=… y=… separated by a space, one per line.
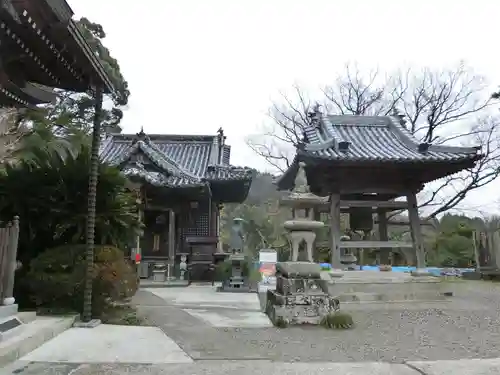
x=302 y=227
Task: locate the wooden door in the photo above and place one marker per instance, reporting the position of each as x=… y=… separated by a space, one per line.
x=154 y=243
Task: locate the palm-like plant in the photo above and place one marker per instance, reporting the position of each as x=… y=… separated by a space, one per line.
x=50 y=193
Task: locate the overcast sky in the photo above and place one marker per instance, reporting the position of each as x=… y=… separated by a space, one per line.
x=196 y=65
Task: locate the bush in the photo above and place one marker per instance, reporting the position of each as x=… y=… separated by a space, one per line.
x=55 y=212
x=223 y=270
x=56 y=278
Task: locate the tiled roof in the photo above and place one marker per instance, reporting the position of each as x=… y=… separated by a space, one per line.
x=180 y=160
x=373 y=138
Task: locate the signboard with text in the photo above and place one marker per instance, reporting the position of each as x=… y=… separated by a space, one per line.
x=267 y=265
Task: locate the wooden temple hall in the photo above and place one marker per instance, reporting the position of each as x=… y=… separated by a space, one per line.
x=363 y=164
x=182 y=182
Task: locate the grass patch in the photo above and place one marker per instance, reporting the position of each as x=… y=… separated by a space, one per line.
x=280 y=322
x=337 y=320
x=54 y=311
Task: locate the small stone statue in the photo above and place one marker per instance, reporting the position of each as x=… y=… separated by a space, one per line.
x=237 y=238
x=183 y=266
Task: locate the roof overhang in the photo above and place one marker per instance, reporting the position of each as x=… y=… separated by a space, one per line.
x=43 y=27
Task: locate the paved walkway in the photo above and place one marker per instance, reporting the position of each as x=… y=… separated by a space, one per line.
x=222 y=310
x=462 y=367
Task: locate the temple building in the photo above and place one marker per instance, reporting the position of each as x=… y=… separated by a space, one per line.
x=182 y=182
x=363 y=163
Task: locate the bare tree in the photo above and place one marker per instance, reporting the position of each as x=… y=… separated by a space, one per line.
x=278 y=141
x=441 y=107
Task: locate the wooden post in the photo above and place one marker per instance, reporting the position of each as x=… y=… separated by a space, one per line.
x=416 y=232
x=335 y=231
x=475 y=235
x=383 y=236
x=171 y=243
x=12 y=237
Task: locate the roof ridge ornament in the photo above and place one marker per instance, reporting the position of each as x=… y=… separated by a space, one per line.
x=423 y=147
x=221 y=137
x=400 y=116
x=141 y=136
x=315 y=115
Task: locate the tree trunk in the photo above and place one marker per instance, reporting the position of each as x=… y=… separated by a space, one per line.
x=90 y=234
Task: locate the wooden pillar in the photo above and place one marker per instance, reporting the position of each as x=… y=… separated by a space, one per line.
x=171 y=243
x=11 y=236
x=217 y=232
x=214 y=232
x=140 y=214
x=416 y=230
x=383 y=236
x=335 y=231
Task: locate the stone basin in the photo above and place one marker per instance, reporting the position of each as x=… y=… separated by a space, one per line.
x=303 y=225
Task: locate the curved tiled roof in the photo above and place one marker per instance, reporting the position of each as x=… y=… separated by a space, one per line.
x=374 y=138
x=181 y=160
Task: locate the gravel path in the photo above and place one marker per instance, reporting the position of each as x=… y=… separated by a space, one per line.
x=468 y=327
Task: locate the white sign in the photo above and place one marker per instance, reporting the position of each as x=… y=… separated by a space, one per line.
x=268 y=256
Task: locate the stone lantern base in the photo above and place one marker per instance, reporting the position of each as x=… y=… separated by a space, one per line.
x=300 y=296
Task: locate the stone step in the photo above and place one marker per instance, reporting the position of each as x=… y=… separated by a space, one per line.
x=6 y=311
x=423 y=296
x=33 y=333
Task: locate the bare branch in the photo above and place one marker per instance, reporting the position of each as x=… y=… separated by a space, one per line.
x=441 y=107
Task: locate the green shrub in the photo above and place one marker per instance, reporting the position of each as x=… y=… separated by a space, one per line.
x=56 y=278
x=337 y=320
x=280 y=322
x=223 y=270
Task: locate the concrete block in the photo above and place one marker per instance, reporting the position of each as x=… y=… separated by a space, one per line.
x=33 y=335
x=6 y=311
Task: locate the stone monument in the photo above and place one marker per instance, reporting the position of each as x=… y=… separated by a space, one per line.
x=236 y=282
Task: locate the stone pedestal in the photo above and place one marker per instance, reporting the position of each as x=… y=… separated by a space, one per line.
x=375 y=286
x=159 y=272
x=300 y=296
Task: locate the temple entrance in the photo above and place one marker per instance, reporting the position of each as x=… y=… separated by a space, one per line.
x=154 y=242
x=201 y=258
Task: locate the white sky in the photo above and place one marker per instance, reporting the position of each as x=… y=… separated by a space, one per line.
x=196 y=65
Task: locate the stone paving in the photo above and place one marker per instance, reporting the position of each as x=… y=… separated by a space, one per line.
x=110 y=343
x=234 y=339
x=462 y=367
x=468 y=327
